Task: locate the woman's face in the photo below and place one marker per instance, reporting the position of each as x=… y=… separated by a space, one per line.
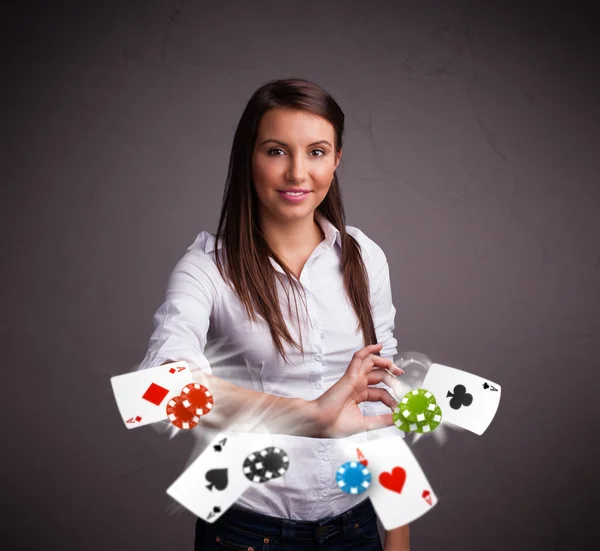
x=294 y=151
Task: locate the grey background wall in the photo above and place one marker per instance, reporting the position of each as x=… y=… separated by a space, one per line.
x=471 y=156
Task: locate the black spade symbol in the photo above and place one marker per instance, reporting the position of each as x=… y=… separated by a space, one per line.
x=218 y=447
x=217 y=478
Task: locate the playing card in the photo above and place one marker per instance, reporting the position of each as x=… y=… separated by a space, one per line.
x=361 y=458
x=142 y=396
x=466 y=400
x=399 y=490
x=215 y=480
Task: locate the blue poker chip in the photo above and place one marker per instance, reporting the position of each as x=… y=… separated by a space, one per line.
x=353 y=477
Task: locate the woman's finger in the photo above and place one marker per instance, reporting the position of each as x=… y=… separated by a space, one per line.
x=395 y=370
x=381 y=376
x=367 y=351
x=381 y=395
x=372 y=361
x=374 y=422
x=356 y=364
x=394 y=387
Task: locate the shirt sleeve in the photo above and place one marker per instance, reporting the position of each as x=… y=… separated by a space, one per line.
x=384 y=314
x=181 y=322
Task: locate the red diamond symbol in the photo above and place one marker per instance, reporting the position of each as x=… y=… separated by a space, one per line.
x=155 y=394
x=171 y=371
x=138 y=418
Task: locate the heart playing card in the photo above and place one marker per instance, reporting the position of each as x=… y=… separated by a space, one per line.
x=216 y=479
x=399 y=490
x=142 y=396
x=466 y=400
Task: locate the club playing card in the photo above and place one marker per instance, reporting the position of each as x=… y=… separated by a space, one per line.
x=215 y=480
x=399 y=490
x=142 y=396
x=466 y=400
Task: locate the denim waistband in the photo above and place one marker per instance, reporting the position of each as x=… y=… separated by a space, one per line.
x=287 y=528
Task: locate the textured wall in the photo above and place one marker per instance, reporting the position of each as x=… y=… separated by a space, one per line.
x=471 y=156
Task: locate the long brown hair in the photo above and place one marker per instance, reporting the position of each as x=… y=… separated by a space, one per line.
x=249 y=272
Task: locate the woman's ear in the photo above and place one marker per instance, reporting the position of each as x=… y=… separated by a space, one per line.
x=339 y=157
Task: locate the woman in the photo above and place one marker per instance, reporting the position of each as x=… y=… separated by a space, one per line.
x=310 y=375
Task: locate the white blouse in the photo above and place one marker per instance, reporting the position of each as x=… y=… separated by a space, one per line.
x=204 y=323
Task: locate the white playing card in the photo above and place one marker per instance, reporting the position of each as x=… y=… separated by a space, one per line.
x=142 y=396
x=215 y=480
x=399 y=490
x=466 y=400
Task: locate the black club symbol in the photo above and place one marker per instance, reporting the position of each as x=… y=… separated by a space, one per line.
x=460 y=397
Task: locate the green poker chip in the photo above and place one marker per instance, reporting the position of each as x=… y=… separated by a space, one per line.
x=422 y=427
x=404 y=425
x=417 y=406
x=431 y=424
x=417 y=412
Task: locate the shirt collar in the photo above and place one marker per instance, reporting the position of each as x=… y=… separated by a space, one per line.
x=332 y=234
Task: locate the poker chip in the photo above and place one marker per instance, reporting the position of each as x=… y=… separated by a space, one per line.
x=432 y=423
x=267 y=464
x=198 y=398
x=353 y=477
x=417 y=406
x=404 y=425
x=417 y=412
x=180 y=416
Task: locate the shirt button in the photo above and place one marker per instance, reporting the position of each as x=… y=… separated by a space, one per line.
x=326 y=457
x=315 y=324
x=324 y=493
x=318 y=357
x=322 y=335
x=318 y=385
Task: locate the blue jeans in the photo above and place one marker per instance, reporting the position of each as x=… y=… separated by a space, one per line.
x=244 y=530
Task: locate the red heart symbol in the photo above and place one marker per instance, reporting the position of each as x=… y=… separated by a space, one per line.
x=393 y=481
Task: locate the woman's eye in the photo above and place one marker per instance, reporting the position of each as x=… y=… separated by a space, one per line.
x=277 y=149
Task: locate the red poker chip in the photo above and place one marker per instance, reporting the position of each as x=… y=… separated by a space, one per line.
x=197 y=398
x=180 y=416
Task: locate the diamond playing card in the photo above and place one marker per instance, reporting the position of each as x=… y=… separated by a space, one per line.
x=142 y=396
x=466 y=400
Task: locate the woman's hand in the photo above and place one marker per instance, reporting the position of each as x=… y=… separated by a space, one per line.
x=337 y=411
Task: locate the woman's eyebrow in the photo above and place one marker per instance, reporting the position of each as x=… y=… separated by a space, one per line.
x=284 y=144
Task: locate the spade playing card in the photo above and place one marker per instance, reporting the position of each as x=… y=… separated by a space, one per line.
x=399 y=490
x=142 y=396
x=215 y=480
x=466 y=400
